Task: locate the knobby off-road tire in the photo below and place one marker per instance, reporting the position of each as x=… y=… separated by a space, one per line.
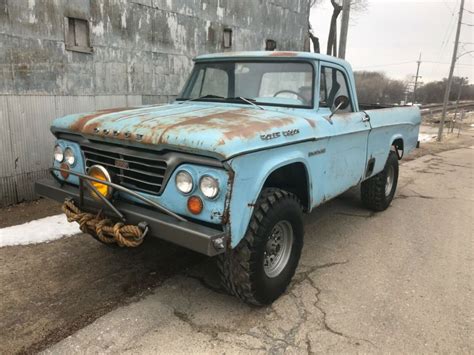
x=248 y=271
x=378 y=191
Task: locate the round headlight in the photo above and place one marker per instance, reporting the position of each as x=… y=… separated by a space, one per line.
x=69 y=156
x=184 y=182
x=209 y=186
x=58 y=154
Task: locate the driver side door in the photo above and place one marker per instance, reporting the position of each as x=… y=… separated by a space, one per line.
x=347 y=132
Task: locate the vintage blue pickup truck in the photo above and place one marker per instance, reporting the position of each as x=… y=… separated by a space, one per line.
x=254 y=140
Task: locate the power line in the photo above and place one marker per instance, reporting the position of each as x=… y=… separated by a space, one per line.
x=449 y=29
x=409 y=62
x=463 y=64
x=447 y=35
x=386 y=65
x=448 y=7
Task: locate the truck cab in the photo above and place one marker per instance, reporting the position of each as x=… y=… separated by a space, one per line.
x=254 y=140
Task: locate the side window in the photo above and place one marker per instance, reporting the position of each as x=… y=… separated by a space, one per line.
x=333 y=84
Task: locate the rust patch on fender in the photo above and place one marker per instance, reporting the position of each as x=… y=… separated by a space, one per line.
x=283 y=54
x=79 y=124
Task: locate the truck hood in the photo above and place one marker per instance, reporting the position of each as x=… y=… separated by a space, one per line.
x=213 y=129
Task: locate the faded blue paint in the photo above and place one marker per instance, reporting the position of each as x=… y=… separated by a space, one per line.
x=78 y=166
x=333 y=150
x=390 y=124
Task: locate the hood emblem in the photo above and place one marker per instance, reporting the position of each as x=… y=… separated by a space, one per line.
x=120 y=163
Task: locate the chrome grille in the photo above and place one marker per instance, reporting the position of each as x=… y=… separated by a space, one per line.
x=133 y=169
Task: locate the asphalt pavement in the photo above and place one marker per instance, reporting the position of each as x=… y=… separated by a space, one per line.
x=396 y=281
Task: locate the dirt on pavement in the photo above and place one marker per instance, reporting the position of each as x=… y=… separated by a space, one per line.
x=51 y=290
x=450 y=141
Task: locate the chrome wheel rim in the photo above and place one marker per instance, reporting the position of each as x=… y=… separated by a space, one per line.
x=278 y=249
x=389 y=181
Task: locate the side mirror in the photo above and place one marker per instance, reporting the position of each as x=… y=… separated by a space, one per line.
x=341 y=103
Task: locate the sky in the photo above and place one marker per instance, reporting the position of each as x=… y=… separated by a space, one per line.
x=390 y=35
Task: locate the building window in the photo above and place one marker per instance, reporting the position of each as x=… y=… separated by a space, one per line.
x=77 y=36
x=227 y=38
x=270 y=45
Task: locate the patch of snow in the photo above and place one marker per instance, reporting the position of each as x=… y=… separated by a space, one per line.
x=38 y=231
x=426 y=137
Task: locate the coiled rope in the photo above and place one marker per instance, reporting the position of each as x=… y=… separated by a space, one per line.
x=103 y=228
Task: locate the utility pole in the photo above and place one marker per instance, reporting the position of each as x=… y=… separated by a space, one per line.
x=457 y=104
x=346 y=8
x=416 y=79
x=451 y=71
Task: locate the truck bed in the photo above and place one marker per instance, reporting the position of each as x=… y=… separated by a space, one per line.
x=363 y=107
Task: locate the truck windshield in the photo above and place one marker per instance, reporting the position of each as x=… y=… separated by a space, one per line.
x=266 y=83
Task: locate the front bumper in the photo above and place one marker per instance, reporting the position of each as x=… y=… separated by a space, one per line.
x=194 y=236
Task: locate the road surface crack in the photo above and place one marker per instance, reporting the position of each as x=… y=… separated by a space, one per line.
x=306 y=276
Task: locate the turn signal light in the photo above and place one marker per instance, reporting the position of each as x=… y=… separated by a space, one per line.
x=64 y=174
x=195 y=205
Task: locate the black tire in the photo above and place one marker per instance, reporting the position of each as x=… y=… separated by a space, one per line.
x=242 y=269
x=373 y=190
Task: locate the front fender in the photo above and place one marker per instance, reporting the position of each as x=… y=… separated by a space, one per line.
x=251 y=172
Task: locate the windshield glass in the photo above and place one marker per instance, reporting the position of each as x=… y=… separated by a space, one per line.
x=271 y=83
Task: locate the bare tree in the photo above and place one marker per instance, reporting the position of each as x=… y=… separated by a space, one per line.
x=312 y=37
x=332 y=37
x=314 y=40
x=356 y=6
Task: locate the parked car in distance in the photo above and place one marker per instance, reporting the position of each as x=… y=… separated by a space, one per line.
x=254 y=140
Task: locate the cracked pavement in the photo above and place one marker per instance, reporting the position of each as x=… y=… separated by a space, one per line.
x=396 y=281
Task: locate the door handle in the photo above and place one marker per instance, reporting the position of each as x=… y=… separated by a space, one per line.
x=366 y=118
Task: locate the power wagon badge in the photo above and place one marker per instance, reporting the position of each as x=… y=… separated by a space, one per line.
x=289 y=133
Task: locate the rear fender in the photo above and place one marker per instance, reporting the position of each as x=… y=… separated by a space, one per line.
x=388 y=125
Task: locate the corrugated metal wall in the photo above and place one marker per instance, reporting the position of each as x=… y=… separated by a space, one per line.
x=26 y=142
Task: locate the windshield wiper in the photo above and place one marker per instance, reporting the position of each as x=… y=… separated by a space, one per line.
x=203 y=97
x=247 y=100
